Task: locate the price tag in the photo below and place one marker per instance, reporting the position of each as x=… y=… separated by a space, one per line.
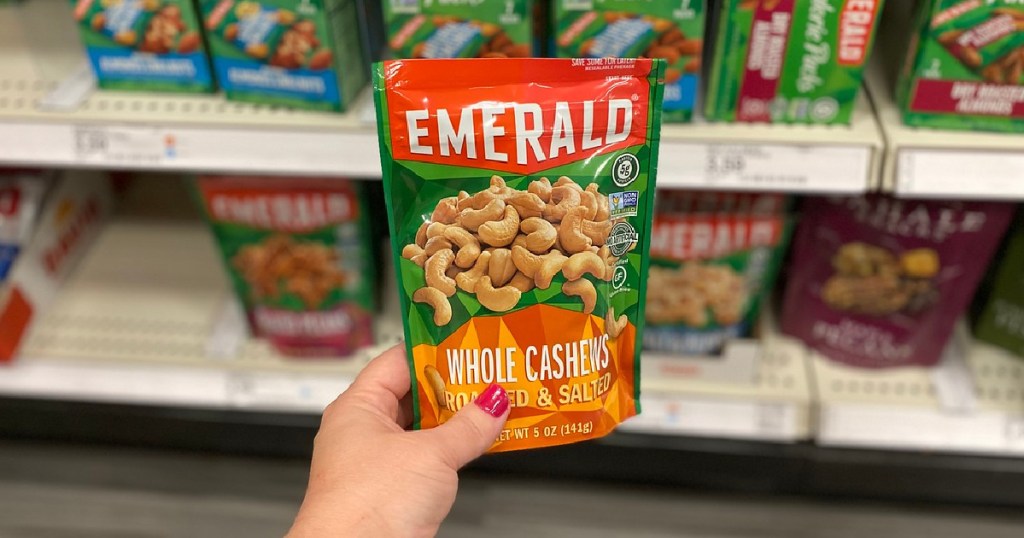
x=765 y=167
x=1015 y=433
x=117 y=145
x=958 y=173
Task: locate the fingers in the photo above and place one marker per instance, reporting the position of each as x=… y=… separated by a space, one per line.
x=382 y=384
x=471 y=431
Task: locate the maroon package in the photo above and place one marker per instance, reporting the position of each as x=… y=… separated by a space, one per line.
x=878 y=282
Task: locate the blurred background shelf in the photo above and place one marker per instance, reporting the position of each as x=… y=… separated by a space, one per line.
x=931 y=163
x=50 y=115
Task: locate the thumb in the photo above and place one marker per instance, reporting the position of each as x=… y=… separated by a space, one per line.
x=471 y=431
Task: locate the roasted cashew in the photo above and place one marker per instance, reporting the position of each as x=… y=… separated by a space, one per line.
x=467 y=280
x=582 y=263
x=562 y=200
x=500 y=233
x=597 y=231
x=589 y=201
x=551 y=264
x=435 y=244
x=526 y=261
x=614 y=326
x=476 y=201
x=570 y=233
x=527 y=204
x=410 y=252
x=583 y=289
x=446 y=211
x=519 y=240
x=541 y=234
x=434 y=272
x=471 y=219
x=501 y=268
x=498 y=299
x=603 y=210
x=435 y=229
x=453 y=271
x=566 y=181
x=437 y=300
x=541 y=188
x=609 y=261
x=469 y=246
x=421 y=235
x=521 y=282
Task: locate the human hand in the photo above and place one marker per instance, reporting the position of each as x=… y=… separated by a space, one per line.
x=370 y=477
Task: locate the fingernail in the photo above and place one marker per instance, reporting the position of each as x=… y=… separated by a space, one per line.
x=494 y=400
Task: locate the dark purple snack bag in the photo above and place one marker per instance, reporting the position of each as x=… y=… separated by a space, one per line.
x=879 y=282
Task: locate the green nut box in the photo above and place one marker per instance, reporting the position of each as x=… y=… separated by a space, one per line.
x=626 y=28
x=965 y=68
x=297 y=53
x=144 y=45
x=790 y=61
x=462 y=28
x=1000 y=318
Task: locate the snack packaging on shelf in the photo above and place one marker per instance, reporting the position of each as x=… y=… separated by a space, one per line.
x=297 y=53
x=21 y=195
x=1000 y=318
x=299 y=254
x=71 y=218
x=879 y=282
x=625 y=28
x=965 y=67
x=519 y=197
x=787 y=61
x=714 y=258
x=152 y=45
x=481 y=29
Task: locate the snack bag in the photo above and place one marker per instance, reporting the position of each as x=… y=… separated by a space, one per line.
x=298 y=53
x=144 y=44
x=879 y=282
x=1001 y=315
x=714 y=257
x=626 y=28
x=519 y=197
x=787 y=61
x=299 y=255
x=478 y=29
x=965 y=69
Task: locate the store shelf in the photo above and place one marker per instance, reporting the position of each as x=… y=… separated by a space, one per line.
x=929 y=163
x=57 y=120
x=972 y=402
x=147 y=319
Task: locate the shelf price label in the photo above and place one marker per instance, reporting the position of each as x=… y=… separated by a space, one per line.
x=766 y=167
x=123 y=145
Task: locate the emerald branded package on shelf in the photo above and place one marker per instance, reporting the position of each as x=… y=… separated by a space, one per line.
x=714 y=258
x=462 y=28
x=790 y=61
x=519 y=196
x=297 y=53
x=298 y=251
x=965 y=68
x=146 y=45
x=626 y=28
x=1001 y=317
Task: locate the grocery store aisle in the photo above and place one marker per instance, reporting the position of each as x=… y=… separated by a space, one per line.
x=49 y=491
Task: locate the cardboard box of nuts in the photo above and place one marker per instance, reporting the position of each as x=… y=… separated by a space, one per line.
x=714 y=258
x=297 y=53
x=965 y=68
x=626 y=28
x=789 y=61
x=461 y=29
x=144 y=45
x=299 y=254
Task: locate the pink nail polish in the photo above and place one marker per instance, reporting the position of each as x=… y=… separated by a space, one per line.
x=494 y=400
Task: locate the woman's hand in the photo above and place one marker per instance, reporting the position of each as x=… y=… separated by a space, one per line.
x=370 y=477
